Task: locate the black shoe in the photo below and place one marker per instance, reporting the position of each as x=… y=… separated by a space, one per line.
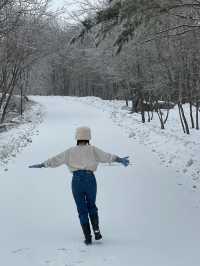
x=88 y=241
x=87 y=233
x=95 y=225
x=97 y=235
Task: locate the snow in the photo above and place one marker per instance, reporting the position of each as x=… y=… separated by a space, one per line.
x=18 y=137
x=147 y=218
x=173 y=148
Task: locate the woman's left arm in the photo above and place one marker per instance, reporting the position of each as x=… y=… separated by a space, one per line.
x=104 y=157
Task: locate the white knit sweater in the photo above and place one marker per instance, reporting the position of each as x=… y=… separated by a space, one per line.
x=81 y=157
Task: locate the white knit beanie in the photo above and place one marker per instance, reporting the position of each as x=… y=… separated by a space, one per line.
x=83 y=133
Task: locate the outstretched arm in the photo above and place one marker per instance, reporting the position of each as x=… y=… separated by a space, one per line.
x=125 y=160
x=104 y=157
x=53 y=162
x=41 y=165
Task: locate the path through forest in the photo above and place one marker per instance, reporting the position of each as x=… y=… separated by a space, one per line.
x=146 y=219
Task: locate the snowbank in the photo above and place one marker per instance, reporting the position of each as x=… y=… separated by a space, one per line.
x=15 y=139
x=173 y=147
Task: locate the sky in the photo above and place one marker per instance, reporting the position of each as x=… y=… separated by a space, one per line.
x=69 y=6
x=58 y=3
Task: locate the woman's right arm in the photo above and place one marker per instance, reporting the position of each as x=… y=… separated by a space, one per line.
x=55 y=161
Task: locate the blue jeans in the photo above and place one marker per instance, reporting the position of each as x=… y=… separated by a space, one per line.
x=84 y=189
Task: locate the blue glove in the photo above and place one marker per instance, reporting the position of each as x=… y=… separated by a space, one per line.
x=37 y=165
x=125 y=160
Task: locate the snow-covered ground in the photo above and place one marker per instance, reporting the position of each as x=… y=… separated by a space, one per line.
x=146 y=217
x=173 y=147
x=15 y=139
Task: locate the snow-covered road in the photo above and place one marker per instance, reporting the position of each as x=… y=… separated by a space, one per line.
x=146 y=219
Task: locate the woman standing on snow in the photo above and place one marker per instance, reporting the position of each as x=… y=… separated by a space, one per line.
x=82 y=160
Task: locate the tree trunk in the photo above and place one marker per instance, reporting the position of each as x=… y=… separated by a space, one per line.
x=4 y=88
x=149 y=117
x=3 y=97
x=160 y=116
x=187 y=131
x=191 y=115
x=197 y=115
x=152 y=113
x=6 y=105
x=21 y=100
x=180 y=114
x=135 y=102
x=167 y=116
x=11 y=86
x=168 y=110
x=141 y=104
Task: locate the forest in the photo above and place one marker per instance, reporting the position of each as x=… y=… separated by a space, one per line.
x=145 y=52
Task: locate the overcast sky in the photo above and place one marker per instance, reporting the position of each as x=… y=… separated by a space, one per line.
x=69 y=4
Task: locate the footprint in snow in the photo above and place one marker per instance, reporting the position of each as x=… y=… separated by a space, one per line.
x=20 y=250
x=132 y=135
x=79 y=261
x=82 y=250
x=63 y=249
x=111 y=259
x=189 y=163
x=47 y=261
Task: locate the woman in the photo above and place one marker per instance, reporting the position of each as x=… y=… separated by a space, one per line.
x=82 y=160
